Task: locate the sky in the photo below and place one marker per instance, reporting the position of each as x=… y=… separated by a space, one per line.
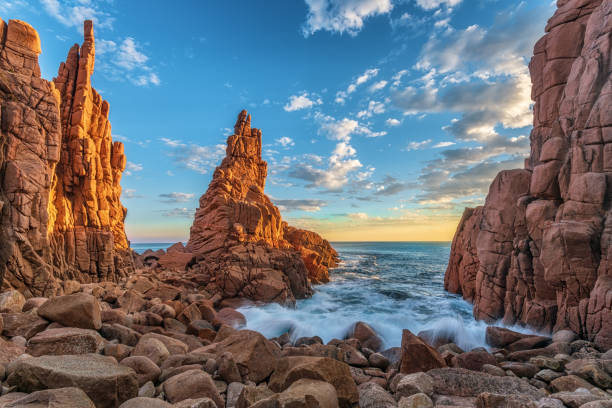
x=381 y=119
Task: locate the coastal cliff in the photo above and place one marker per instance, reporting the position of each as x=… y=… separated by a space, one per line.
x=61 y=216
x=241 y=245
x=539 y=252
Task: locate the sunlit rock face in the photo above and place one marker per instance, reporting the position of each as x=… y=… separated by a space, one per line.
x=242 y=246
x=59 y=170
x=539 y=252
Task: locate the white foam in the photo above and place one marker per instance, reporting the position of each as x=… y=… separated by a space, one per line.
x=391 y=291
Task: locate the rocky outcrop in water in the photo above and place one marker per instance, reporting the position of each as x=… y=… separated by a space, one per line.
x=242 y=247
x=539 y=252
x=61 y=217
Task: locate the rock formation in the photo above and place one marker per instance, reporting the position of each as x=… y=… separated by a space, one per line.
x=539 y=252
x=61 y=216
x=242 y=246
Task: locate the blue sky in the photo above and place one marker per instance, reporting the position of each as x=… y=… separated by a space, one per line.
x=381 y=119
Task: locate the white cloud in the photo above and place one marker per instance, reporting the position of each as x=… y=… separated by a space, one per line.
x=358 y=216
x=128 y=56
x=374 y=108
x=302 y=205
x=360 y=80
x=194 y=157
x=131 y=168
x=72 y=13
x=303 y=101
x=342 y=16
x=443 y=144
x=418 y=145
x=393 y=122
x=129 y=193
x=376 y=86
x=285 y=141
x=434 y=4
x=179 y=213
x=176 y=197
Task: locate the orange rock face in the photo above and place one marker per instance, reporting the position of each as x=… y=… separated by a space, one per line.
x=539 y=252
x=61 y=218
x=242 y=246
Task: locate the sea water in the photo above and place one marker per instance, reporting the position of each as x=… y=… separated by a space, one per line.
x=389 y=285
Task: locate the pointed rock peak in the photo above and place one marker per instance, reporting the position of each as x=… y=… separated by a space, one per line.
x=243 y=124
x=88 y=30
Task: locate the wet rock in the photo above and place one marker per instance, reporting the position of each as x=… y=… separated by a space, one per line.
x=473 y=360
x=367 y=336
x=417 y=355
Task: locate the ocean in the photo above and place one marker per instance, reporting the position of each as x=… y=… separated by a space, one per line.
x=389 y=285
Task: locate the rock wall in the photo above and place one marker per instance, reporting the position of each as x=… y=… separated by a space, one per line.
x=241 y=244
x=539 y=252
x=61 y=217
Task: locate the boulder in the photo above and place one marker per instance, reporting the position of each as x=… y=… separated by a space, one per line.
x=60 y=397
x=104 y=381
x=466 y=383
x=144 y=402
x=254 y=355
x=65 y=340
x=367 y=336
x=145 y=369
x=374 y=396
x=303 y=393
x=11 y=301
x=417 y=355
x=78 y=310
x=416 y=401
x=192 y=384
x=291 y=369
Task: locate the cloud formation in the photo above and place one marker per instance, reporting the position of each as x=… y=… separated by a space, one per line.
x=125 y=60
x=194 y=157
x=342 y=16
x=176 y=197
x=302 y=205
x=303 y=101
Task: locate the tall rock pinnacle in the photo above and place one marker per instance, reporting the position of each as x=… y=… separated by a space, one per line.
x=59 y=170
x=238 y=234
x=539 y=252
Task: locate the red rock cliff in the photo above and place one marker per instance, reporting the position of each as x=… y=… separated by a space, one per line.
x=243 y=247
x=61 y=217
x=539 y=252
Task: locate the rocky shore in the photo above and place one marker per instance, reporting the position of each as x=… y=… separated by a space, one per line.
x=144 y=343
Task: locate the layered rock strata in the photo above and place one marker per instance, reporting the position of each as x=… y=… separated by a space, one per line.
x=241 y=245
x=61 y=217
x=539 y=252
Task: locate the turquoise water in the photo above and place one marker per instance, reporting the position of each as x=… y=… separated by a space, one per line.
x=391 y=286
x=141 y=247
